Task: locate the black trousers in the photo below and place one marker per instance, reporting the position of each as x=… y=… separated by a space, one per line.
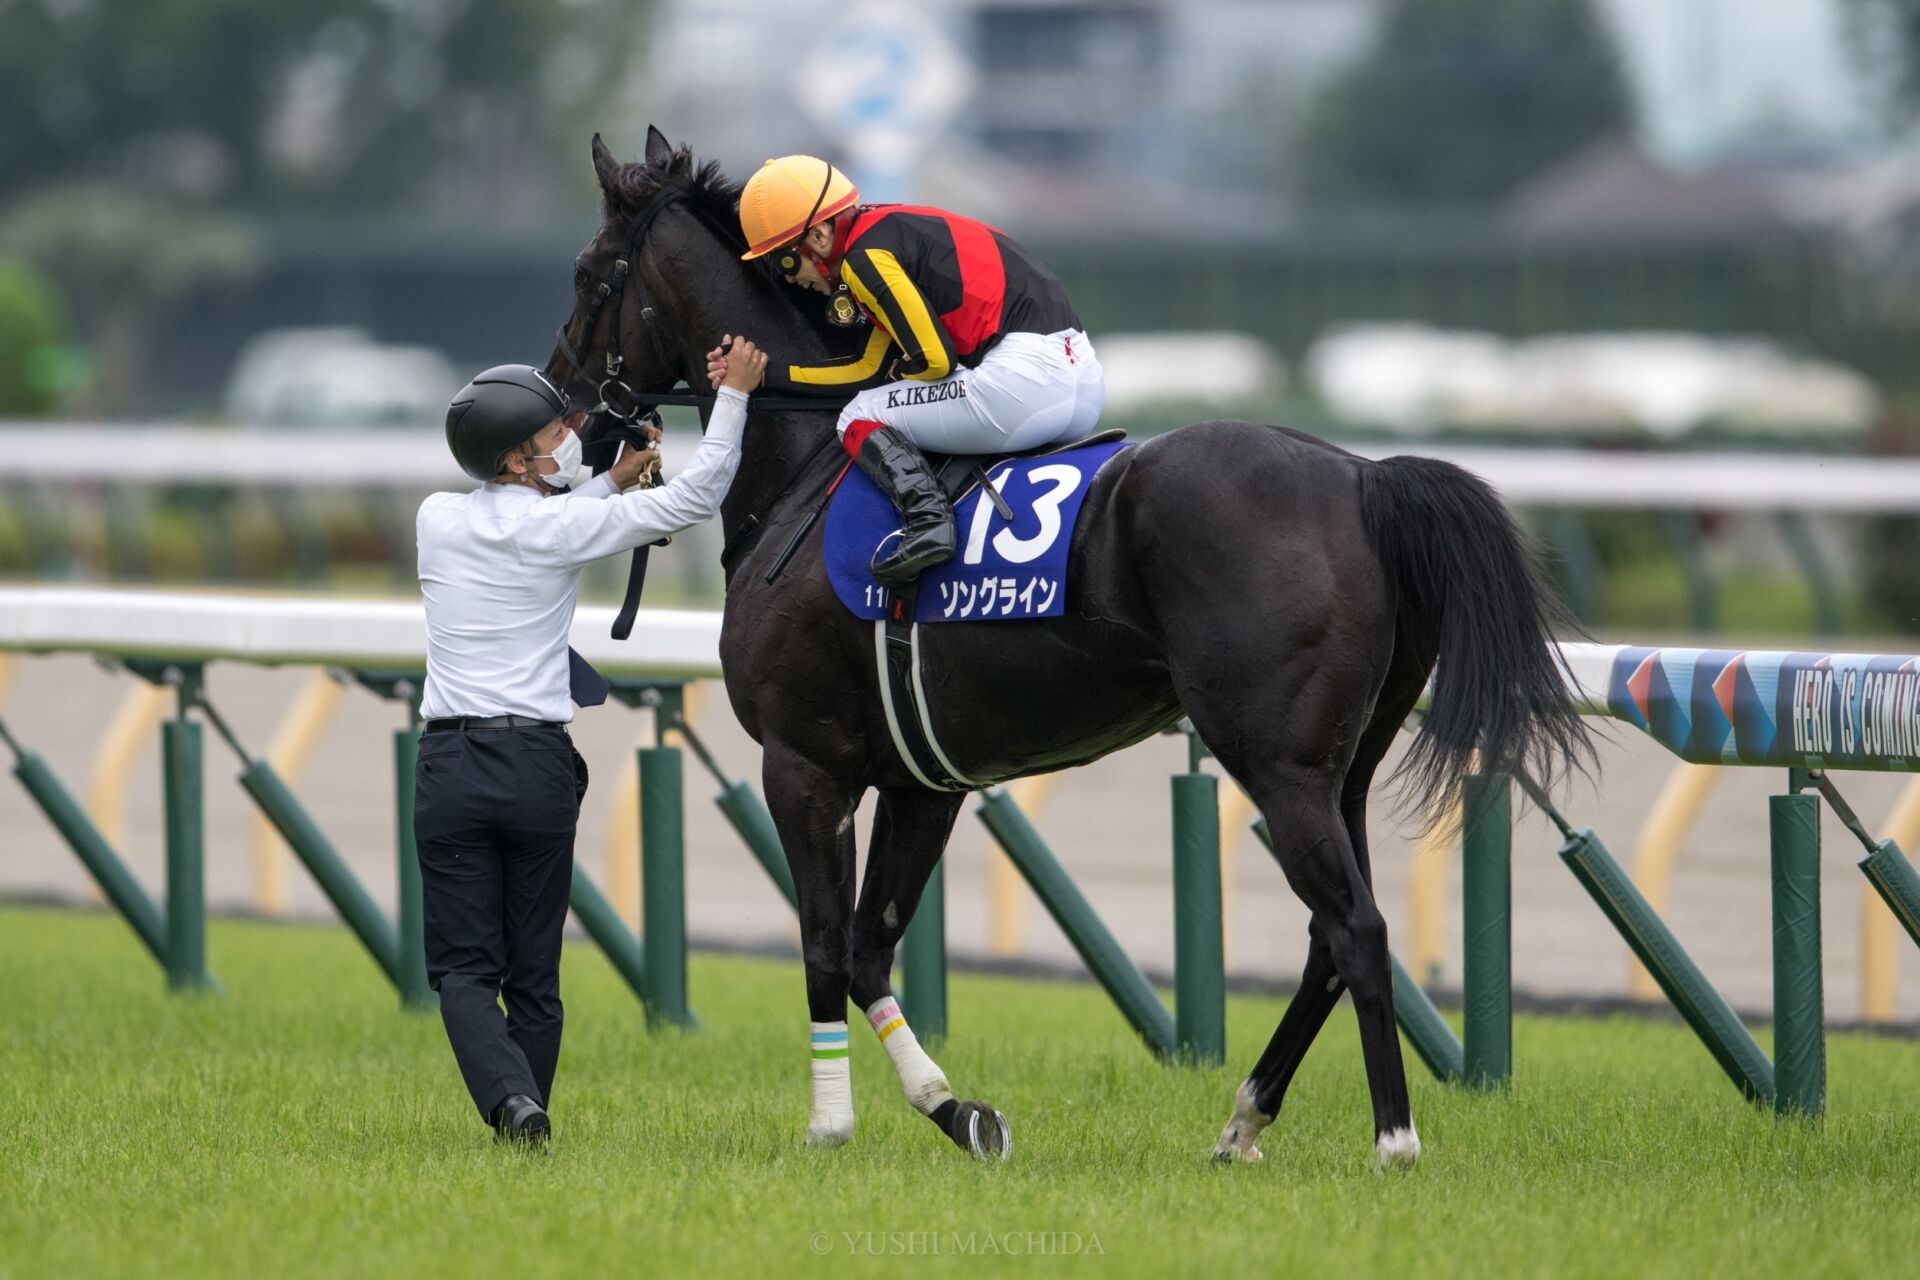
x=494 y=813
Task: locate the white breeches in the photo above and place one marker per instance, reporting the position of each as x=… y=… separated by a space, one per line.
x=1031 y=390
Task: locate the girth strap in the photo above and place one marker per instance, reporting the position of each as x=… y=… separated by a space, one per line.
x=896 y=639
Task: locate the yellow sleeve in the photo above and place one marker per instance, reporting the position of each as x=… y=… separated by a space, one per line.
x=851 y=373
x=888 y=293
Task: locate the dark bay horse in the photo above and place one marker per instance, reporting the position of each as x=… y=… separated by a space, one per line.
x=1287 y=596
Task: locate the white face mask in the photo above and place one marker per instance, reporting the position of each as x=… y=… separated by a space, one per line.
x=566 y=461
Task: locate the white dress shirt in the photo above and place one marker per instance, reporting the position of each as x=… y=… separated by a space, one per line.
x=500 y=572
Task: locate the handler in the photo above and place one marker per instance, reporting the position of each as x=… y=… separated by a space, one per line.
x=498 y=786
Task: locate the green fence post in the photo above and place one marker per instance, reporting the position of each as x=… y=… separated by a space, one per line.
x=748 y=814
x=1799 y=1034
x=329 y=870
x=1199 y=958
x=1898 y=885
x=1654 y=945
x=923 y=962
x=663 y=938
x=1486 y=864
x=1433 y=1040
x=1102 y=955
x=149 y=923
x=412 y=955
x=737 y=800
x=609 y=933
x=181 y=761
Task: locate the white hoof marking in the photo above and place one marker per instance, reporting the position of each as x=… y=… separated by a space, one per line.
x=829 y=1131
x=1238 y=1138
x=1397 y=1149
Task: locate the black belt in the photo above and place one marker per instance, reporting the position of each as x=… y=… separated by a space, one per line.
x=491 y=722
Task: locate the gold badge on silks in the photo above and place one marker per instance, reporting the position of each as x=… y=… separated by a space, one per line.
x=841 y=310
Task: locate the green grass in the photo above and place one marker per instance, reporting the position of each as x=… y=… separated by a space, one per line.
x=299 y=1125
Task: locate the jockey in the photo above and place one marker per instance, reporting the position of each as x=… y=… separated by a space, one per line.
x=974 y=348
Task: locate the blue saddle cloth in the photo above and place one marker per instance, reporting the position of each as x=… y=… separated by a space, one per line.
x=1001 y=570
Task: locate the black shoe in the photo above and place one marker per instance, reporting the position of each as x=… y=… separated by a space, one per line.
x=926 y=517
x=521 y=1119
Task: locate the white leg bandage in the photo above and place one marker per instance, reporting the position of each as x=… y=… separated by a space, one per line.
x=831 y=1121
x=920 y=1076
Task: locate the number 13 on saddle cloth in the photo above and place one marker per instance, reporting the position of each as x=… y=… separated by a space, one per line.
x=1003 y=570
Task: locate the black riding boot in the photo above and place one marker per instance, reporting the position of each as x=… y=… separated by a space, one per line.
x=926 y=517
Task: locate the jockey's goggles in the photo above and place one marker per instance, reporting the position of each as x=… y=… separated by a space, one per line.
x=787 y=259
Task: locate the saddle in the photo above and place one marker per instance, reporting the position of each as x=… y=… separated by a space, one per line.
x=959 y=474
x=1039 y=559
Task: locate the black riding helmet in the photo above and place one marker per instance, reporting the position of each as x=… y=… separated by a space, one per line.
x=496 y=411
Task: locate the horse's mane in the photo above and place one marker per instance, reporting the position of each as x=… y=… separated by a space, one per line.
x=716 y=199
x=706 y=187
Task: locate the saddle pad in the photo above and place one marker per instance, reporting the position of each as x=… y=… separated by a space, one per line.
x=1000 y=571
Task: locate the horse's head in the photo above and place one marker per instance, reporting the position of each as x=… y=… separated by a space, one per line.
x=659 y=282
x=611 y=346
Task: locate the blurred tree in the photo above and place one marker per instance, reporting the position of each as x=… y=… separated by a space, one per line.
x=30 y=329
x=127 y=255
x=1461 y=101
x=349 y=103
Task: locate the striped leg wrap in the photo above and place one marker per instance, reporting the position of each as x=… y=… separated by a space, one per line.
x=920 y=1076
x=831 y=1121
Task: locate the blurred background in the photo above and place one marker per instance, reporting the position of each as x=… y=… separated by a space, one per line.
x=1653 y=266
x=1673 y=225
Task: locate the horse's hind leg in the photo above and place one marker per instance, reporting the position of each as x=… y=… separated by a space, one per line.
x=910 y=831
x=1284 y=697
x=1259 y=1098
x=813 y=810
x=1301 y=803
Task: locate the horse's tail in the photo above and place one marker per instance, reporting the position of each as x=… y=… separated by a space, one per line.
x=1469 y=601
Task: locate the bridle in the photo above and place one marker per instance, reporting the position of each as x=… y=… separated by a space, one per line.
x=618 y=400
x=624 y=406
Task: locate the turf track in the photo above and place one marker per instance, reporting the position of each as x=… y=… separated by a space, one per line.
x=299 y=1125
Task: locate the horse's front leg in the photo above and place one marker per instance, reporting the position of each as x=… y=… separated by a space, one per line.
x=812 y=809
x=910 y=832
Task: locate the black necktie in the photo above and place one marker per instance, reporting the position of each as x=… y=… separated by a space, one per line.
x=588 y=687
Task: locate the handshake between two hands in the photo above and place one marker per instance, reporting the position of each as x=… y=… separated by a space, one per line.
x=735 y=363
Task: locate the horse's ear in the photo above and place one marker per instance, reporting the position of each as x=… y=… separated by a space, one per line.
x=605 y=167
x=659 y=152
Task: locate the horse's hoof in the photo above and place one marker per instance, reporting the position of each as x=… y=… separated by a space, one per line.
x=829 y=1131
x=1243 y=1130
x=1236 y=1150
x=982 y=1132
x=1396 y=1149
